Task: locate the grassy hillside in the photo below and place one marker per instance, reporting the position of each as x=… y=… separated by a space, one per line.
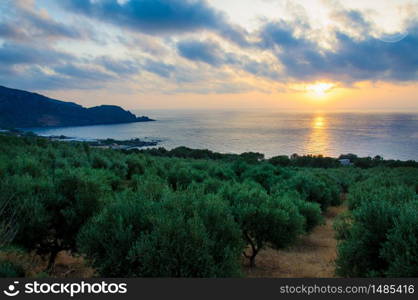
x=157 y=214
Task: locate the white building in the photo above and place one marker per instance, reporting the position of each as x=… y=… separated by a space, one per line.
x=345 y=162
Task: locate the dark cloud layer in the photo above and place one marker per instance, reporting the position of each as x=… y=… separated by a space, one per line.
x=211 y=53
x=280 y=50
x=28 y=67
x=350 y=60
x=159 y=16
x=159 y=68
x=22 y=22
x=17 y=54
x=203 y=51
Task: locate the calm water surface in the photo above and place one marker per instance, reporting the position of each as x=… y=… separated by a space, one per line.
x=390 y=135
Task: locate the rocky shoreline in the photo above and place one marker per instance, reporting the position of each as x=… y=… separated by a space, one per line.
x=131 y=144
x=135 y=143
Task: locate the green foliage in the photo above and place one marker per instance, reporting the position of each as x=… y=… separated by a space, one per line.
x=9 y=269
x=109 y=236
x=150 y=186
x=7 y=222
x=342 y=225
x=401 y=248
x=317 y=188
x=193 y=238
x=282 y=160
x=311 y=212
x=251 y=157
x=379 y=188
x=100 y=162
x=192 y=213
x=379 y=237
x=263 y=174
x=136 y=166
x=359 y=254
x=49 y=215
x=184 y=235
x=264 y=220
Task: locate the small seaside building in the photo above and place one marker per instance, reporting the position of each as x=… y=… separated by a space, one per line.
x=345 y=162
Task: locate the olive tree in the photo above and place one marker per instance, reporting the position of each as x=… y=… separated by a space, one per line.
x=50 y=215
x=264 y=220
x=184 y=234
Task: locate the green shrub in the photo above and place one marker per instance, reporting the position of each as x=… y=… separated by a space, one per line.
x=191 y=238
x=119 y=167
x=401 y=248
x=150 y=186
x=182 y=176
x=372 y=191
x=212 y=186
x=264 y=220
x=190 y=212
x=183 y=235
x=136 y=166
x=342 y=225
x=98 y=161
x=359 y=254
x=281 y=160
x=109 y=236
x=221 y=172
x=10 y=270
x=50 y=215
x=311 y=212
x=26 y=164
x=264 y=175
x=313 y=189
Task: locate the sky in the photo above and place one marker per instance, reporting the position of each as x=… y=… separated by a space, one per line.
x=300 y=55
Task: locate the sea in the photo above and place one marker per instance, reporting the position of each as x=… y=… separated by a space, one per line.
x=390 y=135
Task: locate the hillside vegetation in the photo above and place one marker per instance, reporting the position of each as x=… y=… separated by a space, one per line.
x=154 y=214
x=22 y=109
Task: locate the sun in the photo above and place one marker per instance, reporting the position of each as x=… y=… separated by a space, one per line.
x=319 y=89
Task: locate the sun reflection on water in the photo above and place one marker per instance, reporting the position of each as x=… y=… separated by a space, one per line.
x=318 y=122
x=318 y=141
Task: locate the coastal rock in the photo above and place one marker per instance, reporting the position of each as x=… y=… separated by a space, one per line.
x=22 y=109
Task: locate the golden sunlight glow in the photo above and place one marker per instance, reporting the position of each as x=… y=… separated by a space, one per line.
x=318 y=123
x=318 y=142
x=319 y=89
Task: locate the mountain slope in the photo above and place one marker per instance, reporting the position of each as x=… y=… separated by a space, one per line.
x=22 y=109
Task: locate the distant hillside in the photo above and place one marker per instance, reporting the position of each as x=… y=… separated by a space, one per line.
x=21 y=109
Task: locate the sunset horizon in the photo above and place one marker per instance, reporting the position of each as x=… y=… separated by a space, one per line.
x=281 y=55
x=147 y=140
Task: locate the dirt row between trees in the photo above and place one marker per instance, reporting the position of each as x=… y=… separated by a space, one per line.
x=312 y=256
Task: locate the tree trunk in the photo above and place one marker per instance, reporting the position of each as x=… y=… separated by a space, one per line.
x=252 y=260
x=52 y=258
x=254 y=250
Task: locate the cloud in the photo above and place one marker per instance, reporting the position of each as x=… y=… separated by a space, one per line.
x=203 y=51
x=280 y=34
x=120 y=67
x=159 y=68
x=352 y=20
x=83 y=72
x=145 y=43
x=159 y=17
x=39 y=78
x=262 y=69
x=163 y=34
x=23 y=22
x=350 y=60
x=211 y=53
x=31 y=67
x=12 y=54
